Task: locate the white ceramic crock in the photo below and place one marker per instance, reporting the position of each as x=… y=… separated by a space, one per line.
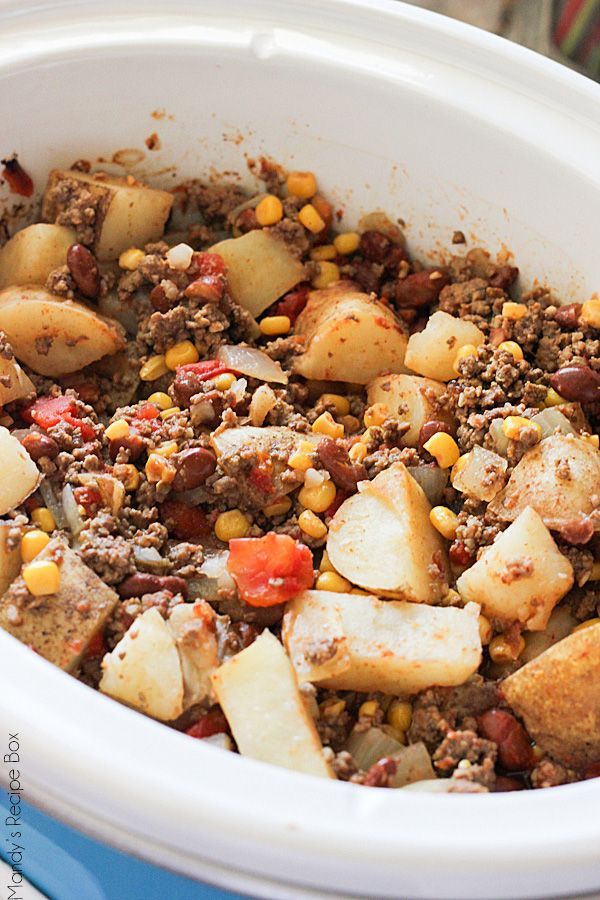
x=397 y=109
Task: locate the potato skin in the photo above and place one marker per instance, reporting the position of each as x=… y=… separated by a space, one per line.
x=557 y=695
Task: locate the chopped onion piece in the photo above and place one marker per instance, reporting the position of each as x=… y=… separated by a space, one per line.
x=552 y=420
x=263 y=401
x=238 y=389
x=481 y=475
x=313 y=478
x=53 y=504
x=149 y=558
x=252 y=362
x=71 y=510
x=498 y=436
x=432 y=479
x=430 y=786
x=414 y=764
x=180 y=256
x=214 y=577
x=378 y=221
x=202 y=412
x=367 y=747
x=250 y=203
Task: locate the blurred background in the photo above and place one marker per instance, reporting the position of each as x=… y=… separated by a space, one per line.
x=566 y=30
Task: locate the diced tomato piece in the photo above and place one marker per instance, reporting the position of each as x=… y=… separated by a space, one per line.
x=49 y=411
x=212 y=722
x=292 y=304
x=89 y=498
x=339 y=498
x=187 y=523
x=147 y=411
x=209 y=263
x=208 y=368
x=261 y=477
x=96 y=646
x=271 y=569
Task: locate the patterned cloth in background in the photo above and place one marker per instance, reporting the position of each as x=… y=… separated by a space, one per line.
x=576 y=32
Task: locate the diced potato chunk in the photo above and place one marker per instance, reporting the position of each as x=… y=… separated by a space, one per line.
x=432 y=352
x=258 y=692
x=382 y=540
x=193 y=627
x=412 y=399
x=481 y=474
x=54 y=336
x=392 y=646
x=260 y=269
x=348 y=336
x=10 y=557
x=521 y=576
x=14 y=383
x=558 y=478
x=144 y=671
x=126 y=215
x=34 y=252
x=560 y=624
x=19 y=475
x=558 y=696
x=61 y=627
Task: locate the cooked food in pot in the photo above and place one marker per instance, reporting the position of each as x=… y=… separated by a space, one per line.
x=296 y=493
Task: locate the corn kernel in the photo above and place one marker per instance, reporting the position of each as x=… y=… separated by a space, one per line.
x=302 y=184
x=340 y=404
x=32 y=543
x=167 y=449
x=301 y=459
x=485 y=630
x=331 y=709
x=329 y=273
x=444 y=521
x=43 y=518
x=368 y=709
x=310 y=218
x=224 y=381
x=399 y=715
x=592 y=439
x=587 y=624
x=160 y=399
x=269 y=211
x=444 y=448
x=331 y=581
x=512 y=427
x=459 y=466
x=129 y=476
x=182 y=354
x=595 y=573
x=324 y=252
x=159 y=470
x=462 y=353
x=346 y=243
x=130 y=259
x=117 y=430
x=537 y=752
x=514 y=311
x=326 y=424
x=273 y=325
x=357 y=452
x=232 y=524
x=312 y=525
x=278 y=508
x=154 y=368
x=325 y=564
x=366 y=436
x=167 y=413
x=590 y=312
x=323 y=207
x=501 y=651
x=513 y=348
x=318 y=499
x=376 y=414
x=41 y=577
x=553 y=398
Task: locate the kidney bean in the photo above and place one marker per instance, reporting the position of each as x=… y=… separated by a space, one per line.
x=568 y=316
x=16 y=177
x=209 y=288
x=366 y=277
x=394 y=258
x=38 y=445
x=374 y=246
x=187 y=523
x=83 y=267
x=159 y=300
x=577 y=383
x=380 y=772
x=144 y=583
x=247 y=221
x=592 y=771
x=497 y=336
x=507 y=783
x=418 y=325
x=343 y=471
x=503 y=277
x=292 y=304
x=459 y=555
x=211 y=722
x=421 y=288
x=246 y=633
x=579 y=531
x=514 y=747
x=133 y=443
x=428 y=429
x=193 y=468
